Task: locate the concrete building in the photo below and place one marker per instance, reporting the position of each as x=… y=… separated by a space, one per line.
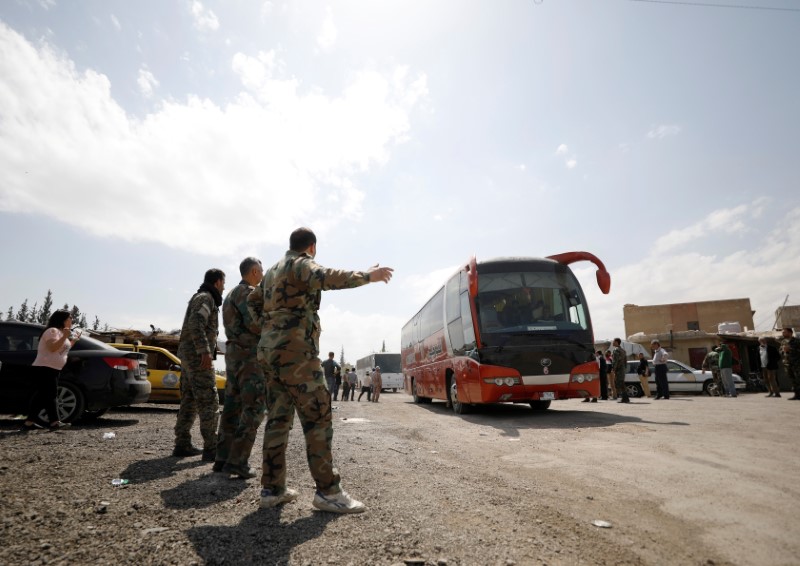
x=688 y=331
x=788 y=316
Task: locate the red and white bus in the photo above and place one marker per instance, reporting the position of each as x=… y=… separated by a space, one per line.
x=506 y=330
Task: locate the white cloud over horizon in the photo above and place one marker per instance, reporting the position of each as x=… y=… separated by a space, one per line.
x=663 y=130
x=71 y=151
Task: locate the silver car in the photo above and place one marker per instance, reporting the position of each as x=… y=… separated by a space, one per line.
x=681 y=378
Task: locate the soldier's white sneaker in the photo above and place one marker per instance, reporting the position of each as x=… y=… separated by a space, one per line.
x=340 y=502
x=269 y=499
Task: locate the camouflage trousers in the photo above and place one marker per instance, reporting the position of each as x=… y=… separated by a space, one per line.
x=296 y=383
x=243 y=409
x=793 y=373
x=198 y=398
x=619 y=384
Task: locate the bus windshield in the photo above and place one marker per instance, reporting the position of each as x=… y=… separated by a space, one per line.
x=535 y=302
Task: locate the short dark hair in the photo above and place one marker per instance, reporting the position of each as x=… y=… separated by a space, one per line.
x=247 y=264
x=789 y=329
x=301 y=239
x=618 y=341
x=331 y=354
x=213 y=275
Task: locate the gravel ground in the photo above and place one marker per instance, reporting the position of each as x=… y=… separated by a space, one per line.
x=693 y=480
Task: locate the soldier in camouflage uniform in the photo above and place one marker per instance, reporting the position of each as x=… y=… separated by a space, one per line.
x=620 y=362
x=286 y=302
x=197 y=350
x=790 y=354
x=245 y=390
x=711 y=363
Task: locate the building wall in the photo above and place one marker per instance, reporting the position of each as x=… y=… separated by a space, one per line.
x=679 y=317
x=788 y=316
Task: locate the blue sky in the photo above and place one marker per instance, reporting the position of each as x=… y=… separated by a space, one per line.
x=143 y=143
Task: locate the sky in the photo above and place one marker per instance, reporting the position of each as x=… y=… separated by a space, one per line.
x=142 y=143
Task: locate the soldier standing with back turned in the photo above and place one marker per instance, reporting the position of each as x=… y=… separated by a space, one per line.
x=790 y=353
x=197 y=350
x=620 y=361
x=245 y=391
x=287 y=301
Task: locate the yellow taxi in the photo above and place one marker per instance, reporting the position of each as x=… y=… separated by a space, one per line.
x=164 y=373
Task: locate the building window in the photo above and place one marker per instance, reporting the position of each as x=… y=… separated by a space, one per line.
x=693 y=325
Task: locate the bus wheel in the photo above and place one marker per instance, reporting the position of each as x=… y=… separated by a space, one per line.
x=418 y=399
x=459 y=408
x=540 y=405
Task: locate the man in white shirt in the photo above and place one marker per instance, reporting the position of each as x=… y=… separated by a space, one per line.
x=366 y=386
x=660 y=357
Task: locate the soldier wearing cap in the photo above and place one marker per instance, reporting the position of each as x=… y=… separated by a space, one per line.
x=286 y=302
x=377 y=384
x=790 y=354
x=711 y=363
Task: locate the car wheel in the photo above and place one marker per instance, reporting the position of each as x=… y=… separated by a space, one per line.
x=92 y=415
x=69 y=404
x=394 y=389
x=540 y=405
x=459 y=408
x=634 y=390
x=710 y=387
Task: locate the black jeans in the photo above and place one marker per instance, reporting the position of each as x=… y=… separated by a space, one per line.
x=45 y=395
x=368 y=391
x=662 y=385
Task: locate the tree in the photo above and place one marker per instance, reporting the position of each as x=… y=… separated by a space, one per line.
x=96 y=323
x=10 y=313
x=33 y=316
x=22 y=313
x=341 y=357
x=383 y=348
x=47 y=307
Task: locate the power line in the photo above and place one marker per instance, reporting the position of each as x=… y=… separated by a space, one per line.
x=709 y=5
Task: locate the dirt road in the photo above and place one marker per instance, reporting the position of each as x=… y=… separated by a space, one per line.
x=692 y=480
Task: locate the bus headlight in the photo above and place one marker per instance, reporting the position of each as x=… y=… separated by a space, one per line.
x=500 y=381
x=581 y=377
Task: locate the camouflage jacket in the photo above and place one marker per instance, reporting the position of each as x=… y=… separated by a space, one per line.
x=200 y=327
x=241 y=330
x=711 y=361
x=790 y=351
x=620 y=359
x=286 y=301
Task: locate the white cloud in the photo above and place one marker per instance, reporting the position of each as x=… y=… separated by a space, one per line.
x=726 y=220
x=765 y=272
x=204 y=18
x=147 y=82
x=186 y=174
x=663 y=130
x=266 y=10
x=562 y=149
x=115 y=22
x=571 y=163
x=359 y=334
x=327 y=36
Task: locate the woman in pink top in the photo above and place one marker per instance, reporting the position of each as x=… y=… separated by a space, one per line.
x=51 y=357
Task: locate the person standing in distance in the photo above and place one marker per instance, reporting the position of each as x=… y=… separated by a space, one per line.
x=51 y=357
x=245 y=390
x=377 y=384
x=366 y=386
x=197 y=349
x=660 y=358
x=643 y=370
x=287 y=302
x=790 y=355
x=726 y=369
x=768 y=356
x=620 y=359
x=352 y=379
x=329 y=367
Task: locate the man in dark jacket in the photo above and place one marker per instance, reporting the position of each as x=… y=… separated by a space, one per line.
x=726 y=369
x=769 y=358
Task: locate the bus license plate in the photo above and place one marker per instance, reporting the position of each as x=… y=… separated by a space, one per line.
x=547 y=396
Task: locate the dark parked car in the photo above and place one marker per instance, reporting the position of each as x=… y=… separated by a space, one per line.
x=95 y=378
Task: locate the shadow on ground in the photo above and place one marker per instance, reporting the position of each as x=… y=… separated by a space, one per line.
x=261 y=538
x=203 y=491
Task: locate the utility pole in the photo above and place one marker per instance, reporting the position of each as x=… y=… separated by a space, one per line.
x=780 y=311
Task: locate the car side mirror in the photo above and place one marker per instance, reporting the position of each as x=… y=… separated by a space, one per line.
x=174 y=367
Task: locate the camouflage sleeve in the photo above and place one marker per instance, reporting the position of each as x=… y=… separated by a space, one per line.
x=249 y=321
x=325 y=279
x=200 y=310
x=255 y=304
